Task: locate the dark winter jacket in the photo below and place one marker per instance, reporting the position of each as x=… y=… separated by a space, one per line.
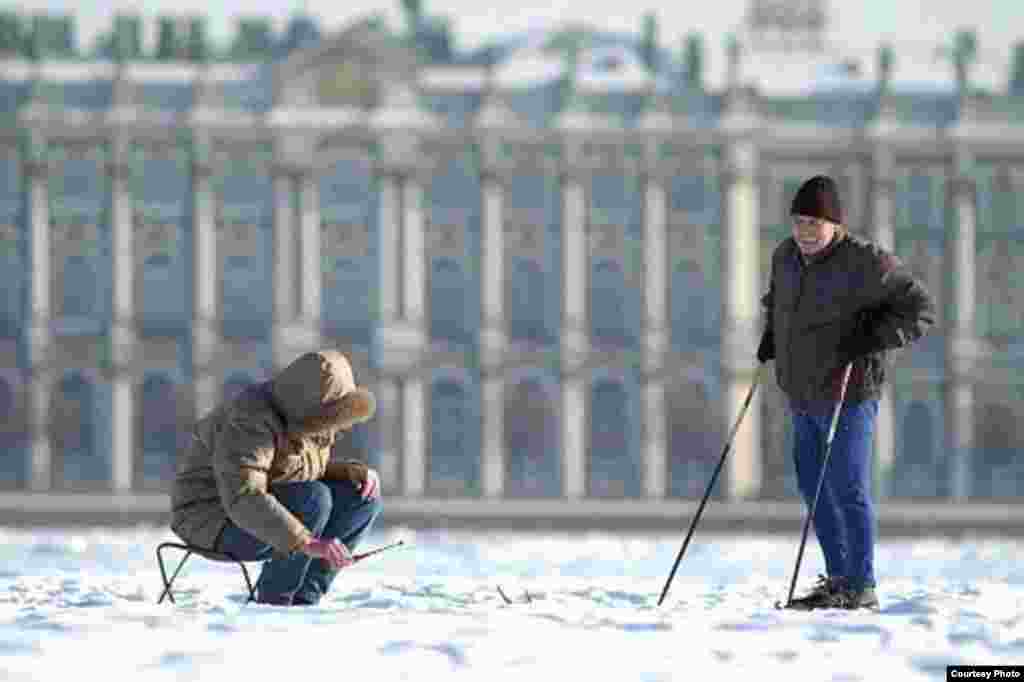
x=853 y=295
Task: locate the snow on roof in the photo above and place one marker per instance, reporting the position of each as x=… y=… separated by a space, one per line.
x=227 y=73
x=15 y=70
x=203 y=115
x=76 y=71
x=916 y=69
x=58 y=71
x=453 y=78
x=139 y=72
x=529 y=67
x=157 y=72
x=288 y=117
x=611 y=68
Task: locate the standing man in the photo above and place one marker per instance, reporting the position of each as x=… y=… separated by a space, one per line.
x=834 y=300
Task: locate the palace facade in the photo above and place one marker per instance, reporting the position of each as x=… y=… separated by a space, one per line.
x=552 y=286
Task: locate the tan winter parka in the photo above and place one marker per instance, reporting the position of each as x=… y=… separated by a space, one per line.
x=278 y=431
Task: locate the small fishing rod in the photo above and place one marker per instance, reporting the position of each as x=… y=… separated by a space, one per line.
x=366 y=555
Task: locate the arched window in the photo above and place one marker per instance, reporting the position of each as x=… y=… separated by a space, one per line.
x=694 y=442
x=77 y=462
x=613 y=470
x=14 y=469
x=12 y=278
x=916 y=472
x=778 y=470
x=532 y=462
x=996 y=459
x=160 y=433
x=454 y=458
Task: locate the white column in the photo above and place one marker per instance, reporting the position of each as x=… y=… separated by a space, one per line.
x=389 y=401
x=414 y=319
x=285 y=298
x=390 y=240
x=413 y=253
x=493 y=266
x=883 y=210
x=655 y=456
x=883 y=231
x=741 y=331
x=962 y=342
x=414 y=443
x=123 y=339
x=857 y=211
x=312 y=273
x=388 y=408
x=493 y=473
x=656 y=337
x=493 y=340
x=40 y=389
x=574 y=339
x=39 y=328
x=206 y=327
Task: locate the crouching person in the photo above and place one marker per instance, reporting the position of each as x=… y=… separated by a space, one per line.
x=257 y=483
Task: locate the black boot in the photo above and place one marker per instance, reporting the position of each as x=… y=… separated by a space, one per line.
x=854 y=599
x=822 y=595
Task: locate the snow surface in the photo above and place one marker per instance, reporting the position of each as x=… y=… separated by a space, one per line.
x=84 y=601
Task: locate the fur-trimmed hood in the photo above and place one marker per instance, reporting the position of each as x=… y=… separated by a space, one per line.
x=317 y=392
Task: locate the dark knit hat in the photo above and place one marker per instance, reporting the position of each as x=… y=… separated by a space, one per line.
x=818 y=198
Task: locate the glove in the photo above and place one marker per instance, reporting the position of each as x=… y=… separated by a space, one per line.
x=333 y=551
x=766 y=349
x=860 y=342
x=365 y=479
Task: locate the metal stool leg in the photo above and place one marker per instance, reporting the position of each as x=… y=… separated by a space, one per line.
x=163 y=572
x=228 y=556
x=207 y=553
x=248 y=583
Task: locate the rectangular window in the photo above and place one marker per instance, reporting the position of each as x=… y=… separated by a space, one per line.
x=245 y=229
x=452 y=238
x=348 y=248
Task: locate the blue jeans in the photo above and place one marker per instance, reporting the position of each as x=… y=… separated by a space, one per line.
x=329 y=509
x=844 y=520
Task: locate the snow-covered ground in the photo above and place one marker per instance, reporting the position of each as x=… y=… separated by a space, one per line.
x=83 y=601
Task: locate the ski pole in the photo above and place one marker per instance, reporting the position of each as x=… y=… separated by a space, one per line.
x=714 y=478
x=821 y=479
